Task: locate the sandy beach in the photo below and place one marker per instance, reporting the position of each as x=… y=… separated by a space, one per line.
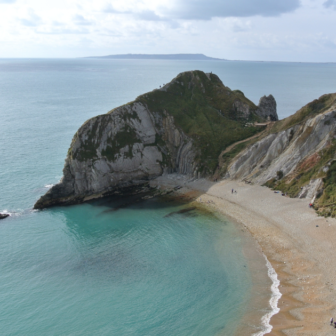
x=299 y=245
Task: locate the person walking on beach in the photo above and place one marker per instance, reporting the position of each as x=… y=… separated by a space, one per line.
x=232 y=191
x=335 y=324
x=331 y=321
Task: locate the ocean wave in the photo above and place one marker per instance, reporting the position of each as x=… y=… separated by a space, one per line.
x=17 y=212
x=48 y=185
x=275 y=297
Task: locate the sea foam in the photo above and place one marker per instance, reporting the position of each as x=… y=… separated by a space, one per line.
x=276 y=295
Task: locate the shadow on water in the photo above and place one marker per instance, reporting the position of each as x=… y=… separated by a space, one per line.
x=115 y=203
x=183 y=211
x=111 y=236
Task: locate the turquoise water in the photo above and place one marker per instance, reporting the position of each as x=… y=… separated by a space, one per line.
x=88 y=270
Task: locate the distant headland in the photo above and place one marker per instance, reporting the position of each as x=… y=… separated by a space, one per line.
x=185 y=57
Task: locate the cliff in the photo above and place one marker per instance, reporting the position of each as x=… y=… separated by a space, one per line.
x=296 y=156
x=182 y=127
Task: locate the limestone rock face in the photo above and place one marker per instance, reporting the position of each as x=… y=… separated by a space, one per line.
x=182 y=127
x=242 y=108
x=267 y=108
x=287 y=151
x=122 y=149
x=311 y=189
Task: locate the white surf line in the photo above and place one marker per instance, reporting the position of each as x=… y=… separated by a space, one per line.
x=276 y=295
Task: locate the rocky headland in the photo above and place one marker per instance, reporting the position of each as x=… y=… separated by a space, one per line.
x=198 y=127
x=182 y=127
x=194 y=131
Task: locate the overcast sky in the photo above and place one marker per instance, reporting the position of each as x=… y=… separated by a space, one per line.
x=277 y=30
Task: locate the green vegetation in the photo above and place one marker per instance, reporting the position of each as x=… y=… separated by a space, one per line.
x=211 y=114
x=226 y=158
x=311 y=168
x=326 y=204
x=204 y=109
x=310 y=110
x=89 y=149
x=280 y=174
x=125 y=137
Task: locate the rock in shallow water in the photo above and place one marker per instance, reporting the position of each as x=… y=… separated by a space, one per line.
x=3 y=216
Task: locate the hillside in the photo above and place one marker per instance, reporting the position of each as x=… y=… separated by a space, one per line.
x=296 y=156
x=182 y=127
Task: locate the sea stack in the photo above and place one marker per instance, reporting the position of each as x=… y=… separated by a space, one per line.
x=267 y=108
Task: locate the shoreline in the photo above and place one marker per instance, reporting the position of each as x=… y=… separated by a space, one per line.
x=298 y=244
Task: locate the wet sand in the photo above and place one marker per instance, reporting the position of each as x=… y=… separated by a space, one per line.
x=301 y=253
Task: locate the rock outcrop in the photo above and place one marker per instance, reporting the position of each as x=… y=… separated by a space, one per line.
x=3 y=215
x=120 y=150
x=283 y=151
x=182 y=127
x=267 y=108
x=298 y=156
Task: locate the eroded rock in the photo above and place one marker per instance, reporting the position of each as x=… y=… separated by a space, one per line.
x=267 y=108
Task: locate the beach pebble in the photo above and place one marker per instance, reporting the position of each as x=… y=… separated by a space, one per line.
x=317 y=226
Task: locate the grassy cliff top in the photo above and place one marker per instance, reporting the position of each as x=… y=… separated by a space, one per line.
x=207 y=111
x=317 y=106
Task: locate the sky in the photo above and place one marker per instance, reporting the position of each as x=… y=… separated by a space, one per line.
x=269 y=30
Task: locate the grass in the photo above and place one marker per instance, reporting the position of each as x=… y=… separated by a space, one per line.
x=310 y=110
x=204 y=110
x=312 y=168
x=202 y=107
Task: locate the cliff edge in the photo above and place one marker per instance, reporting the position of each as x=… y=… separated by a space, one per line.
x=181 y=127
x=297 y=156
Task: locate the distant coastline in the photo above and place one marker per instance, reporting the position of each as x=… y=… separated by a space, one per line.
x=184 y=57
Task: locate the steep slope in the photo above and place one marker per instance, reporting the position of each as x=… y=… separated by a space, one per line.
x=181 y=127
x=297 y=156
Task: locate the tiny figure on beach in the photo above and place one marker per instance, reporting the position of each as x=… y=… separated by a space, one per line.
x=331 y=321
x=335 y=324
x=232 y=191
x=310 y=205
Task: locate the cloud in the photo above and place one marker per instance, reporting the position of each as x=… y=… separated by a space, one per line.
x=110 y=9
x=206 y=10
x=32 y=20
x=330 y=4
x=7 y=1
x=62 y=31
x=80 y=20
x=149 y=15
x=239 y=26
x=144 y=15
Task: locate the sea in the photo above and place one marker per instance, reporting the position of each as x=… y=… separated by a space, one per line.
x=147 y=269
